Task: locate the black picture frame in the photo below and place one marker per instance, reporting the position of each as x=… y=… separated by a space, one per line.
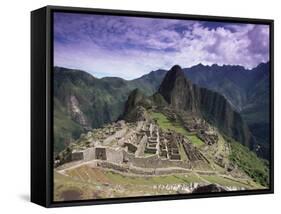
x=42 y=105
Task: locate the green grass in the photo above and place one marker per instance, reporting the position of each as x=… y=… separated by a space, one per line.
x=166 y=124
x=228 y=182
x=103 y=183
x=182 y=153
x=248 y=161
x=195 y=140
x=147 y=154
x=151 y=180
x=64 y=183
x=91 y=176
x=107 y=184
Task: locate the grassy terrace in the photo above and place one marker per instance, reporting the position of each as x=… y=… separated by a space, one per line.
x=96 y=176
x=182 y=153
x=229 y=182
x=88 y=183
x=117 y=178
x=166 y=124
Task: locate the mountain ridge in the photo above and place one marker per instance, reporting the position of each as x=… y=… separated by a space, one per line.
x=182 y=95
x=108 y=96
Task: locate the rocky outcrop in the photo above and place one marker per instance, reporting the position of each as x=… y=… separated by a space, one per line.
x=76 y=114
x=181 y=94
x=135 y=107
x=137 y=98
x=217 y=110
x=209 y=188
x=178 y=91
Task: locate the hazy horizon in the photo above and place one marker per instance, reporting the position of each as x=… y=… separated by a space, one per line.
x=154 y=70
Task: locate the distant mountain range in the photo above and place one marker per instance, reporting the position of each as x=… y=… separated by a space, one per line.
x=82 y=102
x=248 y=91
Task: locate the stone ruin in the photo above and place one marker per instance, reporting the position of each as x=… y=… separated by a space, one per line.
x=98 y=153
x=194 y=124
x=142 y=143
x=151 y=144
x=192 y=153
x=202 y=129
x=163 y=153
x=173 y=149
x=208 y=137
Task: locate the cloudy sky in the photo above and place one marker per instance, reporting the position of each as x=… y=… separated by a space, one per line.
x=129 y=47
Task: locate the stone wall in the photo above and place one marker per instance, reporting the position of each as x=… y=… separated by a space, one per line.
x=77 y=155
x=119 y=134
x=131 y=147
x=156 y=171
x=138 y=170
x=114 y=155
x=89 y=154
x=141 y=146
x=155 y=162
x=113 y=166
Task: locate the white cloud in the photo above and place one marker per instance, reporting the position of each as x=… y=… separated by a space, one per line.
x=131 y=47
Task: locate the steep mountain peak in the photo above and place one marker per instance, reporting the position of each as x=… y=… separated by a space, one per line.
x=175 y=71
x=171 y=77
x=135 y=106
x=134 y=98
x=177 y=90
x=181 y=94
x=176 y=68
x=200 y=65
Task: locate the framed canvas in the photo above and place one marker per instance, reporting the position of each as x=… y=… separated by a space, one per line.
x=142 y=106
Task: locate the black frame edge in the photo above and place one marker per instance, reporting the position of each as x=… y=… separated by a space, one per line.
x=155 y=14
x=45 y=198
x=38 y=152
x=271 y=52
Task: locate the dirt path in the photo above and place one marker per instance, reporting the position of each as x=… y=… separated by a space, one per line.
x=63 y=171
x=169 y=171
x=203 y=179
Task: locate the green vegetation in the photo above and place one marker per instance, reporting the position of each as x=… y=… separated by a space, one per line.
x=63 y=184
x=152 y=180
x=65 y=129
x=223 y=181
x=166 y=124
x=92 y=183
x=248 y=161
x=99 y=176
x=147 y=154
x=195 y=140
x=182 y=153
x=88 y=183
x=100 y=100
